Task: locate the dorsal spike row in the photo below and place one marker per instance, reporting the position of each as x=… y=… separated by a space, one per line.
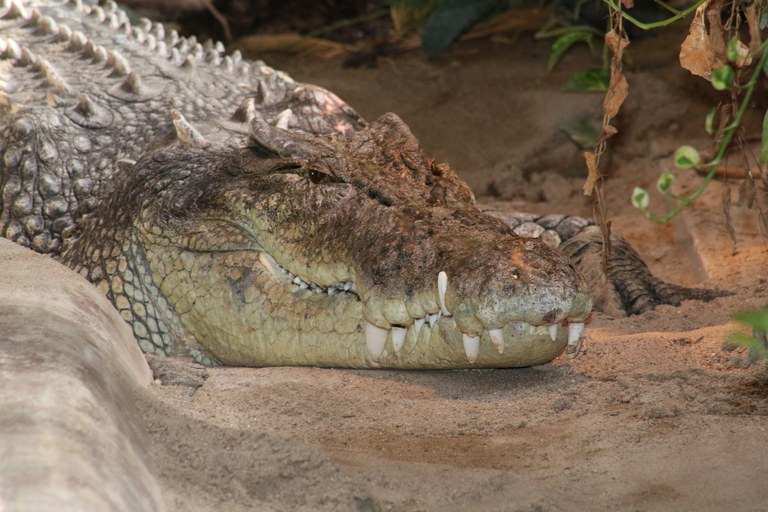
x=213 y=57
x=120 y=64
x=27 y=58
x=53 y=77
x=100 y=54
x=173 y=38
x=65 y=33
x=12 y=50
x=144 y=24
x=244 y=69
x=227 y=64
x=158 y=30
x=78 y=41
x=95 y=52
x=161 y=49
x=48 y=26
x=186 y=133
x=246 y=111
x=150 y=42
x=175 y=56
x=88 y=114
x=197 y=52
x=98 y=13
x=131 y=84
x=138 y=34
x=114 y=21
x=15 y=10
x=188 y=64
x=263 y=95
x=182 y=46
x=110 y=7
x=85 y=106
x=284 y=119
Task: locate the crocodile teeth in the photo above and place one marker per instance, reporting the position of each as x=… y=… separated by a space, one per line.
x=442 y=287
x=471 y=347
x=417 y=325
x=553 y=332
x=575 y=330
x=497 y=338
x=375 y=339
x=398 y=337
x=433 y=319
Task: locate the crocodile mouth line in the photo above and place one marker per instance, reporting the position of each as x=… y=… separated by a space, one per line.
x=376 y=338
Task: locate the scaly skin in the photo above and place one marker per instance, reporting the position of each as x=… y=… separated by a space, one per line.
x=234 y=215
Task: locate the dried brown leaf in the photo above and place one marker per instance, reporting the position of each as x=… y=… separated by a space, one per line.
x=616 y=43
x=695 y=52
x=593 y=177
x=717 y=38
x=628 y=4
x=618 y=90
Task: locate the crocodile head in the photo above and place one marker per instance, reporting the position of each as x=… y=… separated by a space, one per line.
x=337 y=250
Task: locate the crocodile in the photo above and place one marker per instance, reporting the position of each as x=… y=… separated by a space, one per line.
x=236 y=216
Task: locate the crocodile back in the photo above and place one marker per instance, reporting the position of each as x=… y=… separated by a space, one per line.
x=82 y=88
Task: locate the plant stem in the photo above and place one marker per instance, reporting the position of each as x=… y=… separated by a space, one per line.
x=730 y=131
x=655 y=24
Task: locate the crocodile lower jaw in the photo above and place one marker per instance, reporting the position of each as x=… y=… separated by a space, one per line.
x=396 y=346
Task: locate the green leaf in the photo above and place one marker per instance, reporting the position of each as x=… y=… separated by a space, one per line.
x=561 y=45
x=589 y=80
x=756 y=318
x=450 y=19
x=709 y=121
x=664 y=184
x=686 y=157
x=764 y=141
x=640 y=199
x=722 y=77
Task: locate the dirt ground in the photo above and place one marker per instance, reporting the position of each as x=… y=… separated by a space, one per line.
x=653 y=415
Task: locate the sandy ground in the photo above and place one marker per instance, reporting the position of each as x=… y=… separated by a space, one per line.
x=653 y=415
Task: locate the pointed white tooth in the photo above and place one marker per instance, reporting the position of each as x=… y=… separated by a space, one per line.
x=398 y=337
x=497 y=337
x=418 y=324
x=471 y=347
x=575 y=331
x=303 y=285
x=297 y=280
x=331 y=290
x=375 y=339
x=553 y=331
x=347 y=286
x=269 y=263
x=442 y=287
x=433 y=319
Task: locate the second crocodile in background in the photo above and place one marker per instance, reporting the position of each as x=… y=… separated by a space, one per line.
x=232 y=214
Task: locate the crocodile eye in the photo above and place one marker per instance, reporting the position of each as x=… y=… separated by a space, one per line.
x=317 y=177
